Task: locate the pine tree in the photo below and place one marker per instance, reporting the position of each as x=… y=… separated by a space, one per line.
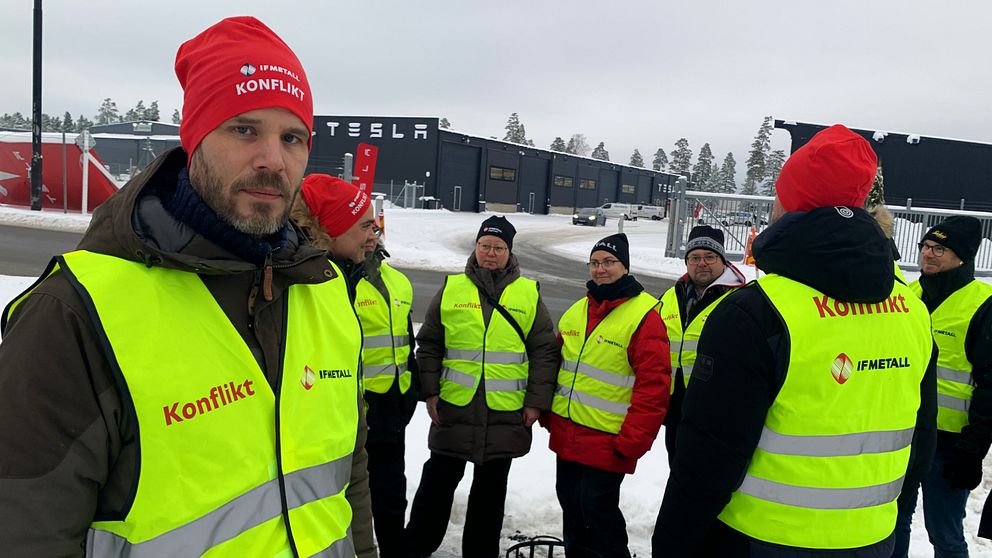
x=636 y=160
x=522 y=138
x=714 y=179
x=83 y=123
x=514 y=130
x=681 y=157
x=443 y=123
x=15 y=120
x=579 y=145
x=728 y=172
x=559 y=145
x=876 y=196
x=151 y=113
x=757 y=156
x=660 y=162
x=67 y=124
x=177 y=118
x=136 y=113
x=600 y=152
x=773 y=166
x=46 y=123
x=108 y=113
x=702 y=169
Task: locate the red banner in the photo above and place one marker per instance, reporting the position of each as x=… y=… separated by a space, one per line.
x=365 y=167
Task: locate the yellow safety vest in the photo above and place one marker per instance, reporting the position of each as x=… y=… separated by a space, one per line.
x=836 y=441
x=955 y=384
x=226 y=466
x=385 y=330
x=474 y=350
x=596 y=381
x=683 y=344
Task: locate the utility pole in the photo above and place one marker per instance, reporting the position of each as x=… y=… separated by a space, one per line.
x=36 y=113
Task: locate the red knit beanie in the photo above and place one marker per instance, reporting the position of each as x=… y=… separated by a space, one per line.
x=336 y=204
x=235 y=66
x=836 y=167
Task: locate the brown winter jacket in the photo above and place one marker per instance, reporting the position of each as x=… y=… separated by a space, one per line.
x=67 y=447
x=475 y=432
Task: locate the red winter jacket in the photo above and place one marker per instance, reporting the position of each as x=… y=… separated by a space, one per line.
x=648 y=355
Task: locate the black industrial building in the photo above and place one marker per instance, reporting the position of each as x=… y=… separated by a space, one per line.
x=464 y=172
x=124 y=145
x=934 y=172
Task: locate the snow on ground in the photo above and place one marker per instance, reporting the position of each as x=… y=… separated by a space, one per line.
x=442 y=240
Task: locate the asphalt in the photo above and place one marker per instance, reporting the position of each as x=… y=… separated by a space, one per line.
x=26 y=252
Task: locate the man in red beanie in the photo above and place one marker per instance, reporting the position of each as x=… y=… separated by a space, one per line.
x=813 y=394
x=194 y=342
x=339 y=218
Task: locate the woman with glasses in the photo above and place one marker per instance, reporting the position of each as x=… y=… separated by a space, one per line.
x=487 y=357
x=610 y=401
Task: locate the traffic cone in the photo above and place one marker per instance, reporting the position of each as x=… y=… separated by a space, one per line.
x=748 y=256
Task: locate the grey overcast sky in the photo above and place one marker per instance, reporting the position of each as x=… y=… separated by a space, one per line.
x=630 y=73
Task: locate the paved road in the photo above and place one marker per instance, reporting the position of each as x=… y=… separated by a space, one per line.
x=25 y=252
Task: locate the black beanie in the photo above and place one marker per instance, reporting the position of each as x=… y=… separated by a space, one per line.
x=959 y=233
x=707 y=238
x=498 y=226
x=617 y=245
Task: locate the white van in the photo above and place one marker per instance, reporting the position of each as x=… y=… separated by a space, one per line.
x=624 y=211
x=653 y=212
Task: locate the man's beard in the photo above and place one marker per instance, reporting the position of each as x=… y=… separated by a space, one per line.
x=262 y=219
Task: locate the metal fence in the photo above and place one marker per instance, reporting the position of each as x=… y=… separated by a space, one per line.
x=736 y=214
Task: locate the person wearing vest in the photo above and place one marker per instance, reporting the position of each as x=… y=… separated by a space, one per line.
x=685 y=307
x=610 y=399
x=487 y=358
x=813 y=394
x=193 y=341
x=959 y=308
x=382 y=297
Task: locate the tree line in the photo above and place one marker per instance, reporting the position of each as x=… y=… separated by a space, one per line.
x=108 y=113
x=763 y=164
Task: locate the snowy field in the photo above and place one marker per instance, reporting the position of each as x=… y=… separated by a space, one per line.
x=441 y=240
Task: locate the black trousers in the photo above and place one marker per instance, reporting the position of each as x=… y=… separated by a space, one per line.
x=592 y=523
x=431 y=508
x=387 y=484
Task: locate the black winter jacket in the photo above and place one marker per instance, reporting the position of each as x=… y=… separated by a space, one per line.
x=746 y=341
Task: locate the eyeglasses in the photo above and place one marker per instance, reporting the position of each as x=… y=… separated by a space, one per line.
x=498 y=250
x=708 y=258
x=935 y=249
x=605 y=264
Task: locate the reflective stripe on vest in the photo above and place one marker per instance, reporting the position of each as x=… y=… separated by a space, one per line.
x=475 y=350
x=596 y=381
x=223 y=462
x=833 y=452
x=385 y=325
x=683 y=344
x=950 y=323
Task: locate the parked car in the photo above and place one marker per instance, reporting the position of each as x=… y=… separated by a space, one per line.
x=745 y=218
x=624 y=211
x=592 y=216
x=653 y=211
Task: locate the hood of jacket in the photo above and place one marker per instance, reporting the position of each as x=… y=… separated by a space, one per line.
x=839 y=251
x=134 y=225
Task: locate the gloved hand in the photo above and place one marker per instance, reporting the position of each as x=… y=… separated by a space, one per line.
x=963 y=470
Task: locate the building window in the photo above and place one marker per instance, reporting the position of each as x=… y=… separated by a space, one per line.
x=628 y=189
x=500 y=173
x=563 y=181
x=587 y=184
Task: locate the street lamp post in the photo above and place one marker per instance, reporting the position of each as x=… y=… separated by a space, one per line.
x=36 y=113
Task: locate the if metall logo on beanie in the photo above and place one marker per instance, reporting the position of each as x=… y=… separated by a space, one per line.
x=607 y=245
x=247 y=70
x=492 y=230
x=268 y=84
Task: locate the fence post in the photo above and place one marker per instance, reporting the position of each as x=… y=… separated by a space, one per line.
x=909 y=203
x=962 y=205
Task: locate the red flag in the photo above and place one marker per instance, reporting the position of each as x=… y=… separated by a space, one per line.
x=365 y=167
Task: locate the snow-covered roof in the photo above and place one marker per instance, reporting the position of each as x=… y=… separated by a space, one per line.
x=883 y=133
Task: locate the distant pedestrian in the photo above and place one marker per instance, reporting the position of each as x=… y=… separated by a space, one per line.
x=961 y=310
x=813 y=393
x=487 y=358
x=612 y=394
x=684 y=308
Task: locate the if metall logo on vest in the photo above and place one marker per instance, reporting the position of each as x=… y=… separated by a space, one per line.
x=601 y=339
x=218 y=397
x=310 y=377
x=843 y=365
